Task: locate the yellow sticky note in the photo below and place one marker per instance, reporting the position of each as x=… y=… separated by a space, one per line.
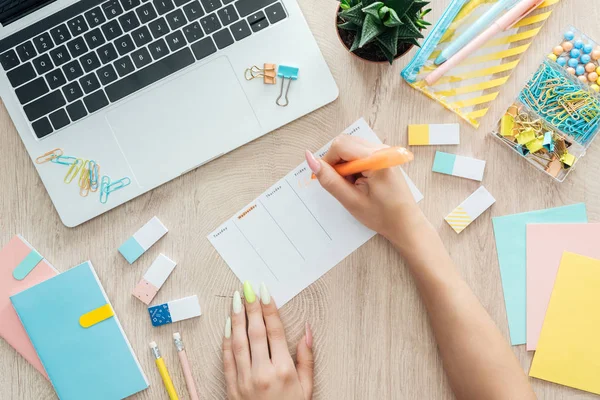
x=418 y=135
x=568 y=351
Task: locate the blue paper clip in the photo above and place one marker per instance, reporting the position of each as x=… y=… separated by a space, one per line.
x=64 y=160
x=120 y=184
x=289 y=73
x=94 y=176
x=104 y=183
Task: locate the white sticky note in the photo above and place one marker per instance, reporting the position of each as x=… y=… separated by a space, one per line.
x=154 y=278
x=174 y=311
x=150 y=233
x=470 y=209
x=463 y=167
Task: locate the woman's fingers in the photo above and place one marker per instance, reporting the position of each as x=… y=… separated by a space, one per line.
x=241 y=351
x=229 y=367
x=257 y=333
x=306 y=363
x=348 y=148
x=280 y=354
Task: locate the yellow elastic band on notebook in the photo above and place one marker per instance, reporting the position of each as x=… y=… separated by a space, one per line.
x=476 y=100
x=95 y=316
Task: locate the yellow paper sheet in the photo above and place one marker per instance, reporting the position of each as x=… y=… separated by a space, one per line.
x=568 y=351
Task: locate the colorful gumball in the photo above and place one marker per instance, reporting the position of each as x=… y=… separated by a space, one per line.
x=592 y=77
x=591 y=67
x=585 y=58
x=596 y=55
x=569 y=35
x=583 y=78
x=580 y=70
x=575 y=53
x=568 y=46
x=595 y=88
x=562 y=61
x=573 y=62
x=578 y=44
x=587 y=49
x=571 y=70
x=598 y=70
x=558 y=50
x=552 y=56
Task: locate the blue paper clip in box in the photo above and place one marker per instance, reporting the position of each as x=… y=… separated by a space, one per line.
x=142 y=240
x=286 y=73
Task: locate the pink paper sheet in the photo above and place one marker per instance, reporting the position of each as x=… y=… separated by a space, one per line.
x=10 y=326
x=546 y=244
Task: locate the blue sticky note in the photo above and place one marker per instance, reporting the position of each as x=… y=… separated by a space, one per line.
x=444 y=163
x=27 y=265
x=94 y=363
x=131 y=250
x=511 y=233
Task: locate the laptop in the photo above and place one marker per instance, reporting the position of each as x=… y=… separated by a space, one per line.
x=150 y=89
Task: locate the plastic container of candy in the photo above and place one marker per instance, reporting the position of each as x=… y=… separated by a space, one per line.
x=579 y=55
x=553 y=121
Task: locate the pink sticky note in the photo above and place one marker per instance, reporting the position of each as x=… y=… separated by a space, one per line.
x=546 y=244
x=14 y=255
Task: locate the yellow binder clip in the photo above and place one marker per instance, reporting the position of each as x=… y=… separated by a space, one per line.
x=267 y=73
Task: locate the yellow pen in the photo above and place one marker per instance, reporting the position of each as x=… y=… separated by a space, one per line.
x=164 y=374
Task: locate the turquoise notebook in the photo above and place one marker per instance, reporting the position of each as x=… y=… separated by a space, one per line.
x=78 y=338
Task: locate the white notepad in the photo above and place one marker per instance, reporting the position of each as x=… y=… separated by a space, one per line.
x=294 y=232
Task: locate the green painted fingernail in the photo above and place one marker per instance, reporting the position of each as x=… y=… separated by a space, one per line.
x=249 y=293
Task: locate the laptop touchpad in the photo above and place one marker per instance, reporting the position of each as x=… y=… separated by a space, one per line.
x=184 y=122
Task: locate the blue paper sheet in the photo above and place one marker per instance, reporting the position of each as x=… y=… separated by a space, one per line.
x=511 y=234
x=95 y=363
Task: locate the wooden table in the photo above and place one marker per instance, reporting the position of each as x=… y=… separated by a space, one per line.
x=372 y=336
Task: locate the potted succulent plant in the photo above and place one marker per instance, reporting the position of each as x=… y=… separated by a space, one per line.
x=381 y=30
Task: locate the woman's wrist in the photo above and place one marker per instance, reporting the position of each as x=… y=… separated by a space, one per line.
x=408 y=231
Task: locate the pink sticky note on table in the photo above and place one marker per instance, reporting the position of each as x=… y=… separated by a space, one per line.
x=21 y=267
x=546 y=244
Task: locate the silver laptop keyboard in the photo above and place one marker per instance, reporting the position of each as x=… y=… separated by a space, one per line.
x=93 y=53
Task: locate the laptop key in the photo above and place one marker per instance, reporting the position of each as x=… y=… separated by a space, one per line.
x=112 y=9
x=94 y=38
x=32 y=90
x=72 y=91
x=94 y=17
x=240 y=30
x=42 y=64
x=176 y=19
x=179 y=3
x=77 y=25
x=175 y=40
x=141 y=36
x=158 y=49
x=76 y=110
x=260 y=25
x=42 y=127
x=60 y=55
x=59 y=119
x=129 y=21
x=90 y=61
x=223 y=38
x=227 y=1
x=203 y=48
x=259 y=16
x=141 y=57
x=26 y=51
x=124 y=66
x=20 y=75
x=150 y=74
x=111 y=30
x=43 y=42
x=60 y=34
x=163 y=6
x=107 y=74
x=130 y=4
x=89 y=83
x=72 y=70
x=9 y=60
x=107 y=53
x=55 y=78
x=228 y=15
x=193 y=11
x=275 y=13
x=77 y=47
x=124 y=45
x=159 y=28
x=146 y=13
x=193 y=32
x=95 y=101
x=210 y=24
x=44 y=105
x=247 y=7
x=211 y=5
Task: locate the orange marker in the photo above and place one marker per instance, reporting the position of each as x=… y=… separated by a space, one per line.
x=381 y=159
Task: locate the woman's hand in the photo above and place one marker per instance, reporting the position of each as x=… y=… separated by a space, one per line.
x=380 y=200
x=256 y=358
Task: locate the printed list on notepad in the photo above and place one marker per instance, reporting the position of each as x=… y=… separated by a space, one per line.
x=294 y=232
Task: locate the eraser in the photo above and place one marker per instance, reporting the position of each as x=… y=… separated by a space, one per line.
x=175 y=310
x=463 y=167
x=470 y=209
x=142 y=240
x=433 y=134
x=154 y=278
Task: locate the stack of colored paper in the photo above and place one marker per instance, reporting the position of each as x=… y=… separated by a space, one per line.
x=550 y=268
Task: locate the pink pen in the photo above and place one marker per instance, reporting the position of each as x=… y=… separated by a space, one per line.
x=185 y=366
x=505 y=22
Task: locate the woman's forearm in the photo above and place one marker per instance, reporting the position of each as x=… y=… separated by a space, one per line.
x=476 y=357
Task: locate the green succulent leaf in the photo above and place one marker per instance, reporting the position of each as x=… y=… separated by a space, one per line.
x=373 y=9
x=356 y=43
x=416 y=8
x=349 y=26
x=410 y=25
x=424 y=13
x=389 y=40
x=371 y=29
x=353 y=14
x=367 y=3
x=390 y=56
x=391 y=18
